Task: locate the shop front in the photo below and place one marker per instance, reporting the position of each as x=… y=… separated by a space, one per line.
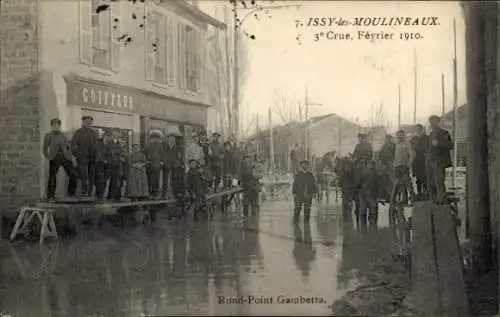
x=131 y=111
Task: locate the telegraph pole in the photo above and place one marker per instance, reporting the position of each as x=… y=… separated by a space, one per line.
x=236 y=81
x=399 y=106
x=455 y=106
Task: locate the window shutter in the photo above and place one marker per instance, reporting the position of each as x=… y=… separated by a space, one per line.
x=170 y=51
x=116 y=45
x=182 y=56
x=161 y=46
x=200 y=60
x=85 y=31
x=149 y=52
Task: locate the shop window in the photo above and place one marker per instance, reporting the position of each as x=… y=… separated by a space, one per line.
x=125 y=136
x=100 y=34
x=190 y=56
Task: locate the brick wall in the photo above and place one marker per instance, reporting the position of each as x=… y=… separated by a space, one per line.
x=19 y=110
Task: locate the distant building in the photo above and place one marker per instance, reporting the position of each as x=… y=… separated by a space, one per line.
x=327 y=133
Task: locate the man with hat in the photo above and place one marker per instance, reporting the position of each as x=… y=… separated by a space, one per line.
x=154 y=157
x=56 y=150
x=363 y=151
x=303 y=189
x=100 y=165
x=83 y=146
x=216 y=160
x=171 y=162
x=437 y=159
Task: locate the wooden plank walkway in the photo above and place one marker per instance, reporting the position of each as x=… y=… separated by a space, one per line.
x=438 y=285
x=67 y=203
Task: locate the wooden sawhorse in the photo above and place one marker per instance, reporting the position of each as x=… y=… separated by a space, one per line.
x=27 y=214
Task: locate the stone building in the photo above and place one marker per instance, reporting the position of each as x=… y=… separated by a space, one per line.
x=134 y=67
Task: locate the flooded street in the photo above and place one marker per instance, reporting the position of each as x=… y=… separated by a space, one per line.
x=230 y=266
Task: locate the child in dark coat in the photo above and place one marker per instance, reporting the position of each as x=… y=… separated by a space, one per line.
x=195 y=187
x=251 y=187
x=304 y=188
x=229 y=165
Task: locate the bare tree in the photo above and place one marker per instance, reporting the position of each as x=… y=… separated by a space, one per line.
x=287 y=106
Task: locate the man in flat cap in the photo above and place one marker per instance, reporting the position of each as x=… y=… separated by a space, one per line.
x=437 y=159
x=216 y=160
x=363 y=151
x=57 y=150
x=303 y=189
x=84 y=149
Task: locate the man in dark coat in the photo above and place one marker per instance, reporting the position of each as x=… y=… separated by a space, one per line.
x=438 y=159
x=154 y=156
x=216 y=160
x=420 y=144
x=303 y=189
x=100 y=166
x=83 y=147
x=386 y=154
x=115 y=157
x=171 y=162
x=250 y=185
x=56 y=150
x=363 y=151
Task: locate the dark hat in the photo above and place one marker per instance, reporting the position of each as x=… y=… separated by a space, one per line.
x=54 y=121
x=362 y=135
x=434 y=117
x=202 y=133
x=216 y=134
x=227 y=143
x=193 y=160
x=87 y=118
x=304 y=162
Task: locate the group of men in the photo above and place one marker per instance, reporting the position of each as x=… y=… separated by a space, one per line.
x=92 y=156
x=427 y=156
x=98 y=159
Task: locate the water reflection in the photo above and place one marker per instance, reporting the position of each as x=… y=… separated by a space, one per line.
x=303 y=251
x=151 y=271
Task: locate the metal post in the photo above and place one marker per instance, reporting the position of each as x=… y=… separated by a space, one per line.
x=236 y=83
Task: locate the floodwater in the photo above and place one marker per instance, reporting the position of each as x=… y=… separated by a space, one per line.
x=230 y=266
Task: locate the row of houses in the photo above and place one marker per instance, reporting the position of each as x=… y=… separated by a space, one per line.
x=132 y=66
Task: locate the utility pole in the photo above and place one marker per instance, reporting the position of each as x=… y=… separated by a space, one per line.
x=229 y=104
x=308 y=124
x=415 y=87
x=271 y=146
x=399 y=106
x=236 y=80
x=442 y=94
x=455 y=106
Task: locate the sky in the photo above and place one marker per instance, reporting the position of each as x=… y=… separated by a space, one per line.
x=350 y=78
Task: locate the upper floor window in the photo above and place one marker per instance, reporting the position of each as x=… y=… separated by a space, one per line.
x=159 y=48
x=100 y=34
x=189 y=58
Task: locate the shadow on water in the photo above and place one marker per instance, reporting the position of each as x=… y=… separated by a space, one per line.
x=303 y=250
x=173 y=268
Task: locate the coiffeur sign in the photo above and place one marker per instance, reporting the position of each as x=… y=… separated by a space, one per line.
x=90 y=95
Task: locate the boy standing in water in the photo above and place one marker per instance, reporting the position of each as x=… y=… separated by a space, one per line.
x=304 y=188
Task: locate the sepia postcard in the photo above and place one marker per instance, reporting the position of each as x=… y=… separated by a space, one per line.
x=249 y=158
